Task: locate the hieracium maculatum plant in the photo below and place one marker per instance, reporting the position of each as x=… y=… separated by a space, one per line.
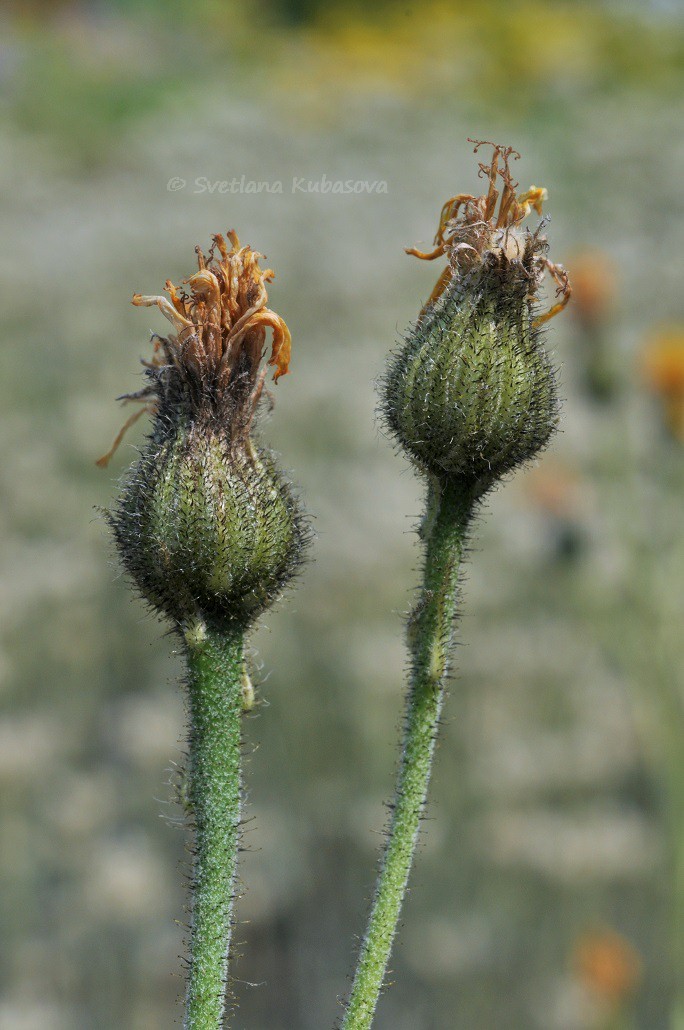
x=470 y=395
x=210 y=532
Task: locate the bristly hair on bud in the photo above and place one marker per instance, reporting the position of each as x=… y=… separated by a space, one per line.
x=206 y=524
x=471 y=393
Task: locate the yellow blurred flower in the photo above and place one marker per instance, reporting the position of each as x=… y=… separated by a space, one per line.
x=474 y=47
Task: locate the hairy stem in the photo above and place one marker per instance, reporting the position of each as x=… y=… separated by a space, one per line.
x=215 y=679
x=430 y=634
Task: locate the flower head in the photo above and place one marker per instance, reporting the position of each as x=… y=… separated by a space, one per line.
x=206 y=525
x=471 y=394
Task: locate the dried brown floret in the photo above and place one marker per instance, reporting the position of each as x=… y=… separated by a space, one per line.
x=470 y=227
x=214 y=359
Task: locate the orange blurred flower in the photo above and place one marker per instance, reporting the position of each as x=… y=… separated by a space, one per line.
x=555 y=489
x=662 y=368
x=593 y=285
x=607 y=965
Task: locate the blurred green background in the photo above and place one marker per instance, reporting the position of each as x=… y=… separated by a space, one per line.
x=545 y=890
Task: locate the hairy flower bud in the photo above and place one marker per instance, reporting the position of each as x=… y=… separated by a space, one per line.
x=471 y=394
x=208 y=532
x=206 y=525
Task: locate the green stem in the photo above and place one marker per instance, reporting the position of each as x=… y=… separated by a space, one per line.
x=430 y=634
x=215 y=680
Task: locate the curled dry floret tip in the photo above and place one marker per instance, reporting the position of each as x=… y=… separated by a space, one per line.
x=213 y=360
x=470 y=227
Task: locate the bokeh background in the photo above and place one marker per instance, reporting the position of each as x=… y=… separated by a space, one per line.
x=548 y=887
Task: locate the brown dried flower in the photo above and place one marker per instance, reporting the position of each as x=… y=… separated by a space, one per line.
x=213 y=361
x=470 y=227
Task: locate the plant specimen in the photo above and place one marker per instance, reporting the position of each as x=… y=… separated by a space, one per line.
x=469 y=396
x=210 y=532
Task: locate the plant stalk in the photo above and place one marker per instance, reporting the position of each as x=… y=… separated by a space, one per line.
x=215 y=678
x=429 y=635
